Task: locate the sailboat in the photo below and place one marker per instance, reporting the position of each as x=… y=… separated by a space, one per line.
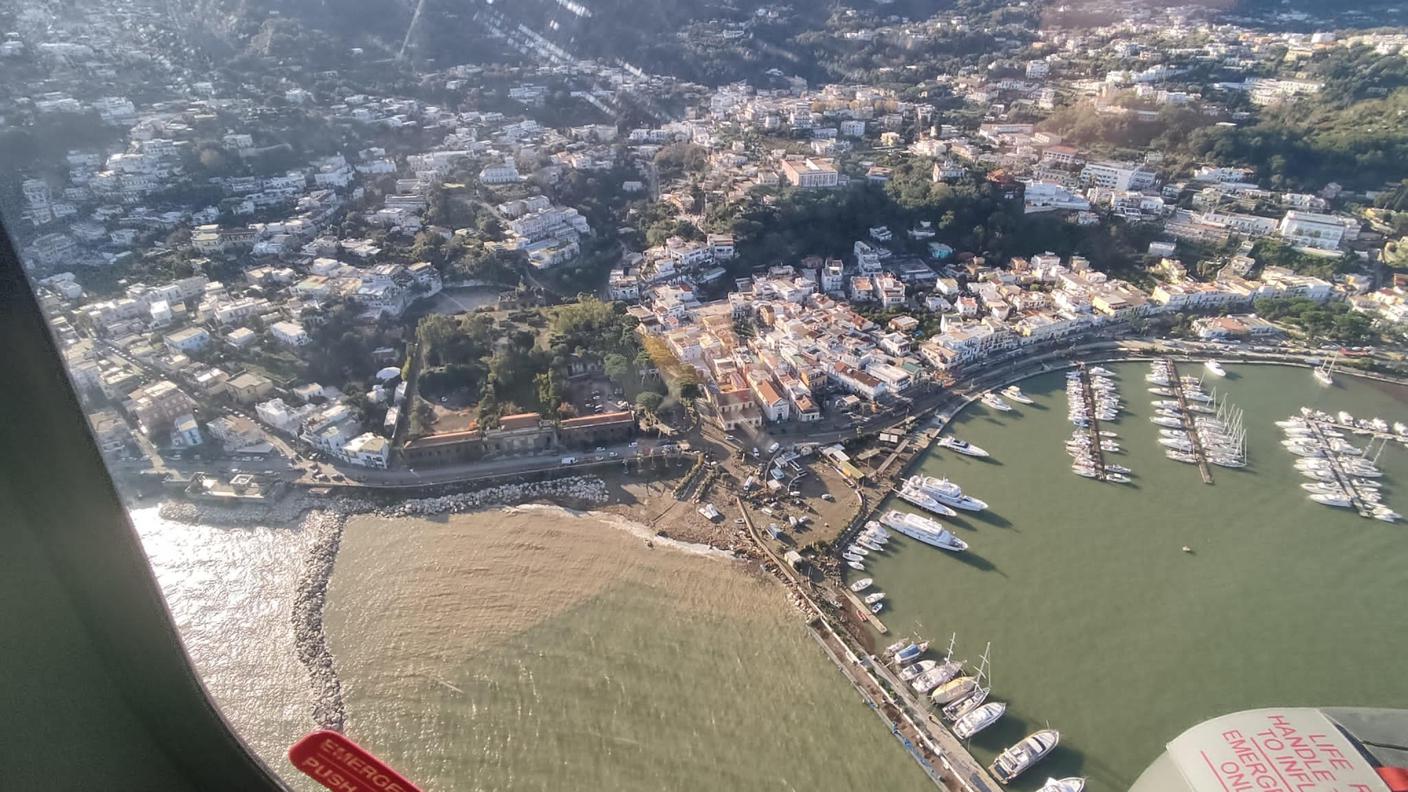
x=1324 y=374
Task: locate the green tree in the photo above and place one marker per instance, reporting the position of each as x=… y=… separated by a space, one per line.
x=649 y=401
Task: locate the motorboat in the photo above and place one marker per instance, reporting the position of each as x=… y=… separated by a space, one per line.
x=853 y=558
x=909 y=493
x=962 y=447
x=877 y=607
x=1117 y=478
x=1163 y=420
x=857 y=550
x=1215 y=368
x=1331 y=500
x=871 y=599
x=862 y=584
x=1101 y=371
x=911 y=652
x=946 y=492
x=924 y=530
x=1018 y=758
x=1158 y=391
x=979 y=719
x=1118 y=469
x=1071 y=784
x=867 y=544
x=856 y=565
x=994 y=401
x=895 y=647
x=1015 y=394
x=922 y=667
x=877 y=531
x=1386 y=514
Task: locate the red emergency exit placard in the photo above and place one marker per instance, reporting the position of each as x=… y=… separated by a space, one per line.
x=344 y=766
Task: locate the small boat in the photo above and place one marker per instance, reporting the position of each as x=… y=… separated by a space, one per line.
x=856 y=565
x=962 y=447
x=1101 y=371
x=862 y=584
x=994 y=401
x=1117 y=478
x=1015 y=394
x=922 y=667
x=953 y=690
x=1216 y=368
x=868 y=544
x=1161 y=391
x=911 y=652
x=979 y=719
x=1331 y=500
x=1118 y=469
x=857 y=550
x=1018 y=758
x=895 y=647
x=1071 y=784
x=878 y=596
x=877 y=607
x=1386 y=514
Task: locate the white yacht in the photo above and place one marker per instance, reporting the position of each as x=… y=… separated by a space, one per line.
x=1015 y=394
x=1331 y=500
x=1019 y=758
x=924 y=530
x=1072 y=784
x=947 y=492
x=994 y=401
x=910 y=492
x=862 y=584
x=1215 y=368
x=962 y=447
x=979 y=719
x=1101 y=371
x=871 y=599
x=856 y=565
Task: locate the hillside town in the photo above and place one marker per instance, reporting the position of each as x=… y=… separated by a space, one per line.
x=222 y=289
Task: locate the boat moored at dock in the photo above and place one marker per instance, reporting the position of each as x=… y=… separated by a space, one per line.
x=924 y=530
x=1019 y=758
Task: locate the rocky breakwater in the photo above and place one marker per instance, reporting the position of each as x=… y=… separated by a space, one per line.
x=577 y=491
x=309 y=637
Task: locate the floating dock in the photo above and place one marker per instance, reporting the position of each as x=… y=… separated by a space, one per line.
x=1096 y=445
x=1189 y=425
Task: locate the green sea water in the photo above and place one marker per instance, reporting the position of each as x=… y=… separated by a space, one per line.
x=1100 y=625
x=531 y=650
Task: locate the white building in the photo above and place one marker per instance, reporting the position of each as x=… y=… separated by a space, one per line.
x=1117 y=176
x=289 y=334
x=1320 y=231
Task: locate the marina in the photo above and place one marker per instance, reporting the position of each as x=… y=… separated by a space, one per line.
x=1168 y=551
x=1193 y=431
x=1092 y=397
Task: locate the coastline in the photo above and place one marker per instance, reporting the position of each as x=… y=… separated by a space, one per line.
x=633 y=508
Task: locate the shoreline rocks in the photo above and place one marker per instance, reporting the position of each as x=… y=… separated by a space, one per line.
x=309 y=636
